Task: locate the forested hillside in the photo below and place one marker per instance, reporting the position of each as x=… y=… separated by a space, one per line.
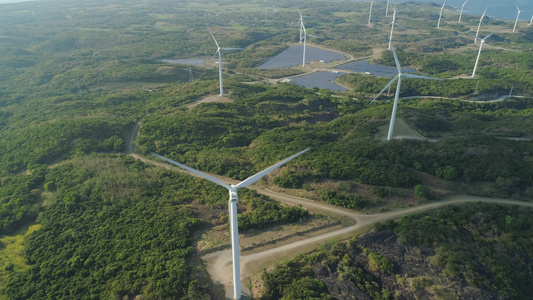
x=474 y=251
x=83 y=218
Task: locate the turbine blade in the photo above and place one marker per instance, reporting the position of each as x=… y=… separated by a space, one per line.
x=419 y=77
x=213 y=37
x=314 y=36
x=237 y=49
x=252 y=179
x=385 y=88
x=476 y=37
x=398 y=66
x=214 y=55
x=517 y=8
x=487 y=36
x=196 y=172
x=396 y=24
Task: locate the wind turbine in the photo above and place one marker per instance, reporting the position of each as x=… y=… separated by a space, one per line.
x=392 y=27
x=219 y=51
x=233 y=198
x=461 y=13
x=531 y=22
x=370 y=13
x=387 y=9
x=479 y=53
x=305 y=42
x=301 y=22
x=479 y=26
x=517 y=16
x=398 y=76
x=440 y=15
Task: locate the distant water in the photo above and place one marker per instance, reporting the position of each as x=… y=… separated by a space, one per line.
x=321 y=80
x=293 y=56
x=502 y=9
x=13 y=1
x=376 y=70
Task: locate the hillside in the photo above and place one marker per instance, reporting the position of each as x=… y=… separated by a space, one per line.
x=475 y=251
x=89 y=89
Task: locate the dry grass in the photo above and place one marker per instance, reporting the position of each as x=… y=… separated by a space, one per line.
x=13 y=253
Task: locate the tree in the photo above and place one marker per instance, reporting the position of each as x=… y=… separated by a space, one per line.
x=422 y=191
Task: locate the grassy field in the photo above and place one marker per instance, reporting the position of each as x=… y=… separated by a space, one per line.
x=12 y=253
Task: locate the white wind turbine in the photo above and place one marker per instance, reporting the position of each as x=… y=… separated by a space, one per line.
x=392 y=27
x=440 y=15
x=461 y=13
x=398 y=76
x=479 y=53
x=531 y=22
x=233 y=198
x=370 y=13
x=479 y=26
x=301 y=22
x=219 y=51
x=517 y=16
x=305 y=42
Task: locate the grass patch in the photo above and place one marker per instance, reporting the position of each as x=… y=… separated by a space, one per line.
x=12 y=252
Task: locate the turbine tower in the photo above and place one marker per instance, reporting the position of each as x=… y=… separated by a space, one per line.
x=461 y=13
x=370 y=13
x=233 y=198
x=387 y=9
x=440 y=15
x=392 y=28
x=479 y=53
x=479 y=26
x=219 y=51
x=398 y=76
x=517 y=16
x=531 y=22
x=305 y=42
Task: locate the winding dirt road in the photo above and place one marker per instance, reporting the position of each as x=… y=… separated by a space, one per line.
x=219 y=264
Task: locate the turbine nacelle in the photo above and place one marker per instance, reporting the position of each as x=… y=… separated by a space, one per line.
x=233 y=197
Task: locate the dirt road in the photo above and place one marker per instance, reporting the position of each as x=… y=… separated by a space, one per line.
x=219 y=263
x=130 y=142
